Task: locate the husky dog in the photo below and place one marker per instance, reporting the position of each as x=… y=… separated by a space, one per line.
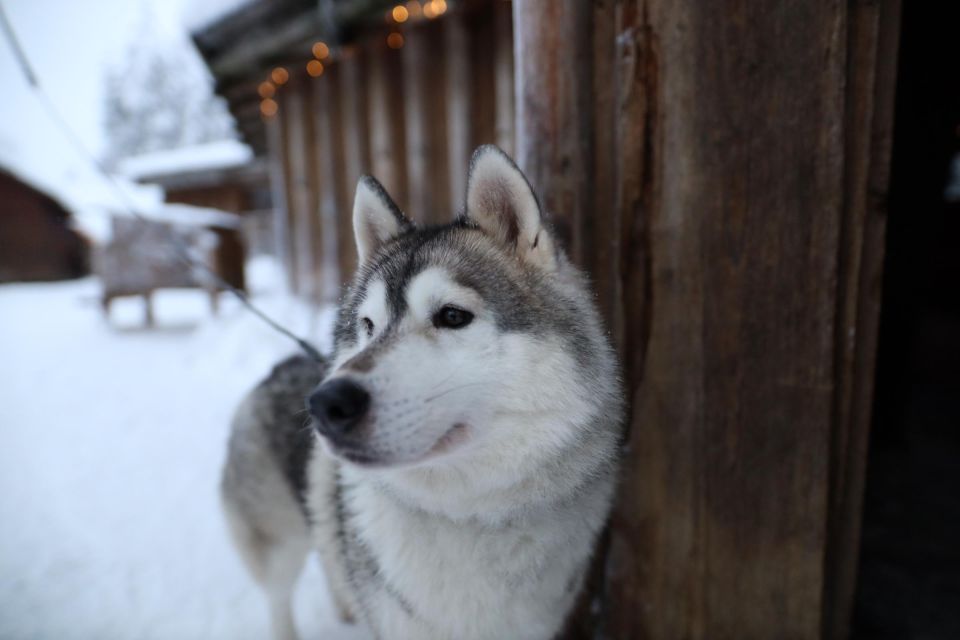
x=464 y=448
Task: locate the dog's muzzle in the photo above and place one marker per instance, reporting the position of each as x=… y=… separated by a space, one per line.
x=338 y=406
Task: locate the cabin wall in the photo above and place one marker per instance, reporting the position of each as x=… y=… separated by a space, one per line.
x=724 y=183
x=411 y=117
x=720 y=170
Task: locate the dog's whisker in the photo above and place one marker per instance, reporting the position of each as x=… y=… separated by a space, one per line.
x=451 y=390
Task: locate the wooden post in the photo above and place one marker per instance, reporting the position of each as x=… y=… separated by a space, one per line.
x=387 y=122
x=471 y=89
x=554 y=102
x=504 y=119
x=873 y=37
x=424 y=71
x=356 y=124
x=337 y=201
x=279 y=196
x=302 y=177
x=745 y=152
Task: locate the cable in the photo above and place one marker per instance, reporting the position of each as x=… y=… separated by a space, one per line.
x=182 y=251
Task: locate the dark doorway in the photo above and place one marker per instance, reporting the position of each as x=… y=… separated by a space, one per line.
x=909 y=579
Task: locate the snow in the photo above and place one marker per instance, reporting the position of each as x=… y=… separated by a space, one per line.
x=224 y=154
x=111 y=441
x=190 y=215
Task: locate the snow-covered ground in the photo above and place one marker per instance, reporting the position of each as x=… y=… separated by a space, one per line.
x=111 y=442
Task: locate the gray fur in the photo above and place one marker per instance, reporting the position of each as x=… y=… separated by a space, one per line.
x=468 y=502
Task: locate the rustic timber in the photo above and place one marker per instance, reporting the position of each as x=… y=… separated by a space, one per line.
x=388 y=139
x=298 y=127
x=428 y=187
x=748 y=152
x=504 y=120
x=336 y=206
x=873 y=37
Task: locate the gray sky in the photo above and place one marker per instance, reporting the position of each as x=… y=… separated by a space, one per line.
x=70 y=45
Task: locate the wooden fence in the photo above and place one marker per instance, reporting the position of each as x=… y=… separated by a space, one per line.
x=720 y=169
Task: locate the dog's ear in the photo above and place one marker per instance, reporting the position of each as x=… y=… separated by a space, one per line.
x=376 y=218
x=501 y=202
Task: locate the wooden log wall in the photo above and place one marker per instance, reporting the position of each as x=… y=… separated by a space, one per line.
x=725 y=185
x=409 y=116
x=720 y=169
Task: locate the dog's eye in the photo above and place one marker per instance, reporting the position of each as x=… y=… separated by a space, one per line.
x=452 y=318
x=367 y=326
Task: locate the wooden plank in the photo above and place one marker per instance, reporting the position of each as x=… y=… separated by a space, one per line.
x=356 y=147
x=337 y=200
x=313 y=222
x=873 y=34
x=738 y=274
x=387 y=103
x=471 y=87
x=278 y=194
x=325 y=237
x=288 y=226
x=299 y=129
x=459 y=96
x=428 y=188
x=506 y=114
x=554 y=144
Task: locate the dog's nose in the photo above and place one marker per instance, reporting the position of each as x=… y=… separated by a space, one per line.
x=338 y=405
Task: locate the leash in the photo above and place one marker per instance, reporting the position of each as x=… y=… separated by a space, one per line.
x=182 y=250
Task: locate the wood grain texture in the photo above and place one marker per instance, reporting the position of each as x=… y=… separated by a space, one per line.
x=424 y=71
x=728 y=163
x=302 y=172
x=387 y=104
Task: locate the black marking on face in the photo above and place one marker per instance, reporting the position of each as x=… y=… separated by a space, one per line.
x=520 y=297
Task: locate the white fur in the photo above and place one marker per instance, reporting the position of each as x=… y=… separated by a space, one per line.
x=499 y=200
x=448 y=530
x=373 y=221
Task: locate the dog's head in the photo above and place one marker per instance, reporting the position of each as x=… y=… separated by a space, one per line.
x=451 y=335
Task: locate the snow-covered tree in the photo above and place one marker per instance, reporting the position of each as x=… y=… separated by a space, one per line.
x=160 y=96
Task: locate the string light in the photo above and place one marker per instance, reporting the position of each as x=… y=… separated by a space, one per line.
x=395 y=40
x=266 y=89
x=400 y=13
x=268 y=108
x=320 y=50
x=434 y=8
x=279 y=76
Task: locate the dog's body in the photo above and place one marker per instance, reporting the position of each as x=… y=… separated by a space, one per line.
x=468 y=429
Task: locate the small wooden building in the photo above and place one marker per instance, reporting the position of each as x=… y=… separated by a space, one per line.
x=37 y=241
x=719 y=168
x=222 y=176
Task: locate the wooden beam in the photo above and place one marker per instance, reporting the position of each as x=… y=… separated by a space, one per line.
x=279 y=135
x=743 y=142
x=388 y=139
x=873 y=37
x=470 y=91
x=554 y=110
x=295 y=111
x=355 y=126
x=428 y=187
x=337 y=203
x=505 y=118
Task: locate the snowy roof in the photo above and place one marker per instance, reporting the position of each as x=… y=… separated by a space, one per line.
x=224 y=154
x=202 y=13
x=186 y=215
